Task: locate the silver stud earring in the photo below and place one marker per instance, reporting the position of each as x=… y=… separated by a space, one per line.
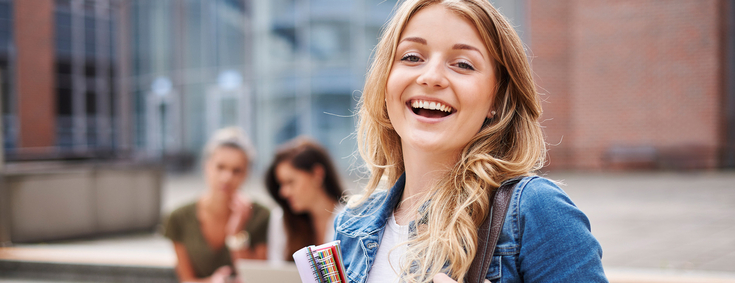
x=493 y=112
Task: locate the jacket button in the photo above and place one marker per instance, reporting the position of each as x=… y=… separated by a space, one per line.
x=371 y=245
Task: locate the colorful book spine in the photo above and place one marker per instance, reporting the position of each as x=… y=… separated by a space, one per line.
x=321 y=264
x=328 y=266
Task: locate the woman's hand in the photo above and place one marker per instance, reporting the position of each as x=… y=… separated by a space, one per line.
x=443 y=278
x=221 y=275
x=241 y=208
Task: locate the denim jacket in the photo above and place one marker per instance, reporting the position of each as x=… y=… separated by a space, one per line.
x=545 y=237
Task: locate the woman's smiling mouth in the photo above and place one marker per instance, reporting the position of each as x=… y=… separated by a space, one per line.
x=430 y=109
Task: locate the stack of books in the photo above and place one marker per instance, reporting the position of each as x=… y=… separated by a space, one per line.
x=320 y=264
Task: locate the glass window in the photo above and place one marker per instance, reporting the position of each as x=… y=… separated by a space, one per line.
x=228 y=112
x=238 y=5
x=64 y=120
x=6 y=25
x=194 y=37
x=278 y=117
x=283 y=9
x=63 y=32
x=282 y=50
x=232 y=40
x=96 y=49
x=330 y=42
x=90 y=70
x=63 y=3
x=90 y=36
x=6 y=75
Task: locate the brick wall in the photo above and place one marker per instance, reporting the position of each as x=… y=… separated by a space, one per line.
x=629 y=83
x=34 y=39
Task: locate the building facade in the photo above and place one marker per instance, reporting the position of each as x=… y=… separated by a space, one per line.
x=191 y=74
x=626 y=84
x=59 y=68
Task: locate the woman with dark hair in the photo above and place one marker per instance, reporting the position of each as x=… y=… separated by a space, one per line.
x=304 y=183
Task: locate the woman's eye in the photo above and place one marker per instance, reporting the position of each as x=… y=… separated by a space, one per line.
x=466 y=66
x=410 y=58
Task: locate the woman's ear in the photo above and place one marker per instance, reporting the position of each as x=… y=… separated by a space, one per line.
x=491 y=113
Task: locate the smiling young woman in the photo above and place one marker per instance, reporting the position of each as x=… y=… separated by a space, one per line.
x=449 y=112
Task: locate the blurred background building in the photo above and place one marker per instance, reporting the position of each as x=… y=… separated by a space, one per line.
x=626 y=84
x=636 y=84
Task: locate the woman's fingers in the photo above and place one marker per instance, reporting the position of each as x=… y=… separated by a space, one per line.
x=221 y=274
x=225 y=269
x=241 y=208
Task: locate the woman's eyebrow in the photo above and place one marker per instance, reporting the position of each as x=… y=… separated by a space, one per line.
x=463 y=46
x=415 y=39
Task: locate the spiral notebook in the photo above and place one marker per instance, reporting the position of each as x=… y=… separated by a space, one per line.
x=320 y=264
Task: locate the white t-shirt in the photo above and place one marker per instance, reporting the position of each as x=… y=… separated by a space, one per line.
x=277 y=233
x=388 y=261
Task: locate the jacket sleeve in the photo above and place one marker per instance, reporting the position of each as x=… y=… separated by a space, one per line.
x=556 y=241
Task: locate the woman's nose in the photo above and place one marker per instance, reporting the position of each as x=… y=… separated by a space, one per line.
x=226 y=176
x=433 y=75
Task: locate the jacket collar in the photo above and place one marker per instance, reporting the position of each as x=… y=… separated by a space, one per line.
x=373 y=214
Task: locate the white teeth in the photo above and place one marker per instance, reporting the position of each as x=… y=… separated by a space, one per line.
x=431 y=105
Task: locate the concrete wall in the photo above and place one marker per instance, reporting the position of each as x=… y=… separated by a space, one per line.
x=79 y=201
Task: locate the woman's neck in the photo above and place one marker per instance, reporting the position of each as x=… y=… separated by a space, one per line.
x=216 y=204
x=423 y=170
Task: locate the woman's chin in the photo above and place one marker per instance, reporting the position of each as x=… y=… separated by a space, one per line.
x=298 y=210
x=225 y=191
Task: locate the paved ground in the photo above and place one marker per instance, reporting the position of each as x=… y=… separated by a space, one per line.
x=660 y=221
x=653 y=227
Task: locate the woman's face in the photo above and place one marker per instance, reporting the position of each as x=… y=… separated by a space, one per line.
x=226 y=169
x=298 y=187
x=441 y=86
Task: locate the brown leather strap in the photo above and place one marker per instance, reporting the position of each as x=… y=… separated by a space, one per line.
x=489 y=231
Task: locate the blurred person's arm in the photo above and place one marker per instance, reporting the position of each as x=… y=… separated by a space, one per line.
x=259 y=251
x=248 y=220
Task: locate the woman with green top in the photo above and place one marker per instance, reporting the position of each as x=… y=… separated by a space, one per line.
x=221 y=225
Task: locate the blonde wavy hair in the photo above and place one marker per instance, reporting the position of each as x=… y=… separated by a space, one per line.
x=509 y=145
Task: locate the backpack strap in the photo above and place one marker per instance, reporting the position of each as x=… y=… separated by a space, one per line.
x=489 y=231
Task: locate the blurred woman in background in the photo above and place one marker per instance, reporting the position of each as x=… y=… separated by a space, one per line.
x=221 y=225
x=305 y=184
